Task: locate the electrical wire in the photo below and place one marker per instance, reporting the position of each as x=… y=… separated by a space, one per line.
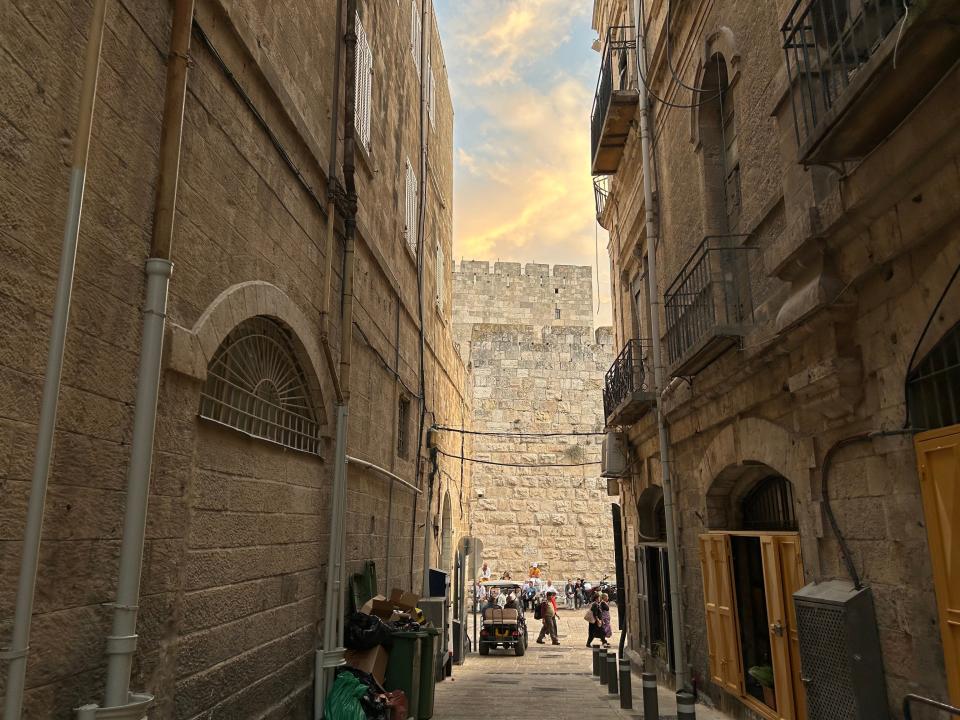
x=507 y=433
x=670 y=59
x=516 y=465
x=384 y=362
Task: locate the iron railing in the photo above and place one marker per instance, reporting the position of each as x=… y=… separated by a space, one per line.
x=912 y=699
x=631 y=372
x=709 y=297
x=616 y=73
x=601 y=191
x=826 y=43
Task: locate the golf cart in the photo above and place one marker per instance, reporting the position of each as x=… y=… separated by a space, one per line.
x=503 y=626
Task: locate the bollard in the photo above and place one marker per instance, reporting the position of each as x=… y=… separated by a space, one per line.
x=651 y=702
x=596 y=661
x=612 y=685
x=603 y=666
x=626 y=686
x=686 y=706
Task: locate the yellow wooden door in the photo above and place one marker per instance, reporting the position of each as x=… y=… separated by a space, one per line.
x=723 y=638
x=777 y=618
x=791 y=565
x=938 y=460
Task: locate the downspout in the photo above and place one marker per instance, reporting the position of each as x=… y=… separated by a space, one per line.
x=426 y=35
x=122 y=641
x=19 y=646
x=331 y=656
x=673 y=545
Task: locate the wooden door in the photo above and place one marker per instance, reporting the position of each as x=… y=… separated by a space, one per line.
x=723 y=638
x=782 y=576
x=938 y=461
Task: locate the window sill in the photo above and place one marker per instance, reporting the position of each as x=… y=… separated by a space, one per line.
x=366 y=156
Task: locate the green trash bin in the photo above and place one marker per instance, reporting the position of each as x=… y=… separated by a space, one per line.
x=428 y=674
x=403 y=668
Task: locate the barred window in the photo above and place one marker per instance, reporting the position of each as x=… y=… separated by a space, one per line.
x=256 y=386
x=933 y=386
x=412 y=209
x=364 y=86
x=416 y=34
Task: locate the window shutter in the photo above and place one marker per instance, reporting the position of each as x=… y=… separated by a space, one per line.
x=416 y=34
x=364 y=86
x=432 y=96
x=723 y=640
x=666 y=614
x=411 y=209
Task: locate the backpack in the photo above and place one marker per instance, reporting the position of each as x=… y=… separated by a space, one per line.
x=538 y=612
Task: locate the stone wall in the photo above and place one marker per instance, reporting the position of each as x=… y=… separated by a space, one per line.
x=237 y=533
x=534 y=373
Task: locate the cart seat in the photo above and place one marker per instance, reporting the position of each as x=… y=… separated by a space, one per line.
x=497 y=616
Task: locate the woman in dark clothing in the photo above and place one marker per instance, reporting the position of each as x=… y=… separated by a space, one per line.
x=595 y=627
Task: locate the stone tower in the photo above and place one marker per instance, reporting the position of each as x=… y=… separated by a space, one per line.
x=537 y=367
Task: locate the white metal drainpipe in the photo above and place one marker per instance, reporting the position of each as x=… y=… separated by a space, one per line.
x=666 y=465
x=16 y=653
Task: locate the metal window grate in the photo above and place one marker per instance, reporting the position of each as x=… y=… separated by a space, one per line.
x=256 y=385
x=769 y=506
x=631 y=372
x=619 y=56
x=933 y=387
x=824 y=636
x=601 y=191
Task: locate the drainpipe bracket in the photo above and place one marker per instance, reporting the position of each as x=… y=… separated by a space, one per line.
x=332 y=658
x=8 y=653
x=121 y=644
x=135 y=709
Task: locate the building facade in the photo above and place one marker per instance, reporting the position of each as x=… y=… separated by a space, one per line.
x=805 y=173
x=536 y=366
x=231 y=601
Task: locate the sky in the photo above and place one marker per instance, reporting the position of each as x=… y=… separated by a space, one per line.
x=523 y=74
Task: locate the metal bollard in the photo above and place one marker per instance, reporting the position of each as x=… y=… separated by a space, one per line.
x=651 y=701
x=686 y=706
x=612 y=685
x=596 y=661
x=603 y=666
x=626 y=686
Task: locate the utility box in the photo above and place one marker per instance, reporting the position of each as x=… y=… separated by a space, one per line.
x=840 y=656
x=613 y=462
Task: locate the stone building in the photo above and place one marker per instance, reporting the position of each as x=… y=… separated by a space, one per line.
x=806 y=176
x=235 y=561
x=536 y=366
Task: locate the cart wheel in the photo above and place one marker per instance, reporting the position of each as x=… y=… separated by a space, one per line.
x=519 y=648
x=484 y=649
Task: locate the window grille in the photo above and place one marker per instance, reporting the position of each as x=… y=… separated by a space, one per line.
x=432 y=95
x=416 y=34
x=411 y=210
x=933 y=387
x=557 y=313
x=403 y=428
x=364 y=88
x=769 y=505
x=256 y=385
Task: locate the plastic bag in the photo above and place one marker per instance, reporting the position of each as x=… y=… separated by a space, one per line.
x=363 y=632
x=397 y=702
x=343 y=702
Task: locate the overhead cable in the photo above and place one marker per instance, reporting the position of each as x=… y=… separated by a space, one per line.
x=515 y=465
x=520 y=434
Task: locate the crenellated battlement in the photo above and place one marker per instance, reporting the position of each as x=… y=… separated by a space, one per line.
x=530 y=270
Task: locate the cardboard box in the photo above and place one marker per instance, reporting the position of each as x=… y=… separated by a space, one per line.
x=406 y=601
x=367 y=608
x=370 y=661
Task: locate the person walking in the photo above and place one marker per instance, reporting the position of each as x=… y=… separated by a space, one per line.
x=594 y=618
x=605 y=618
x=548 y=615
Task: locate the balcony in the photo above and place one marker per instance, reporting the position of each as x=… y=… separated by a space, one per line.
x=708 y=306
x=858 y=67
x=615 y=103
x=628 y=391
x=601 y=193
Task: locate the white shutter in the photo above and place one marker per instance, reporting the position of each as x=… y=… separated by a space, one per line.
x=432 y=95
x=441 y=276
x=416 y=34
x=410 y=230
x=364 y=88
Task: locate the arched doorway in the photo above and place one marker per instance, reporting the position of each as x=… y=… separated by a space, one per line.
x=257 y=518
x=752 y=565
x=655 y=618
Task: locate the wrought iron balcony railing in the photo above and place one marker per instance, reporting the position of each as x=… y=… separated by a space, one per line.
x=601 y=192
x=628 y=390
x=615 y=102
x=708 y=306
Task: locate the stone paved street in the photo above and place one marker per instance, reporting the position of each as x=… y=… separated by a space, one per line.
x=502 y=685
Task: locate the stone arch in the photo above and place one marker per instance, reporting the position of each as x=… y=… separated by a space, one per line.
x=191 y=349
x=721 y=41
x=650 y=510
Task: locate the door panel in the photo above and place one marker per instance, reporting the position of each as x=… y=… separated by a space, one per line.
x=938 y=461
x=723 y=638
x=643 y=604
x=791 y=565
x=776 y=617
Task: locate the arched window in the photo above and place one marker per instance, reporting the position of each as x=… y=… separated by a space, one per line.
x=721 y=156
x=256 y=385
x=769 y=505
x=933 y=387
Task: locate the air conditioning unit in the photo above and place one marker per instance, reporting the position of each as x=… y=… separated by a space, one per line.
x=840 y=656
x=613 y=462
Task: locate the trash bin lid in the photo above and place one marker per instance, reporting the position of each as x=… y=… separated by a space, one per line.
x=408 y=634
x=431 y=630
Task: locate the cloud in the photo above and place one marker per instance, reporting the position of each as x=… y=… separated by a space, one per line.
x=523 y=78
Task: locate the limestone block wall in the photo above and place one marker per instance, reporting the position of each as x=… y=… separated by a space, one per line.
x=533 y=373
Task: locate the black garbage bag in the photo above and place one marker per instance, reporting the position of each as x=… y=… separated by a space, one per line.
x=363 y=632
